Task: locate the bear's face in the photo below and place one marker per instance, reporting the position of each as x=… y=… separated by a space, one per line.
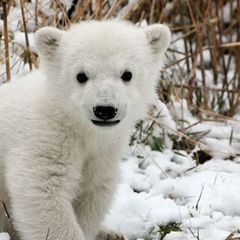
x=103 y=72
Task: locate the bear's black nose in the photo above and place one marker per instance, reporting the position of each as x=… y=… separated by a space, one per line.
x=105 y=112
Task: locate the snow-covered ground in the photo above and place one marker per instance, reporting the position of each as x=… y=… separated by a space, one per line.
x=159 y=188
x=162 y=187
x=167 y=188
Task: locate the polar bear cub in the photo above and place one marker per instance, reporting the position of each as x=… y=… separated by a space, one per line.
x=64 y=127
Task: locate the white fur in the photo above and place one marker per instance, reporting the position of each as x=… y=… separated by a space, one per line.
x=58 y=171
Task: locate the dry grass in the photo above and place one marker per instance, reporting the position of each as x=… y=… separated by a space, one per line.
x=211 y=45
x=6 y=43
x=204 y=70
x=211 y=42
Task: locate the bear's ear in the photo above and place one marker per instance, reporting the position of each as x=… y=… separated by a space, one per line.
x=159 y=37
x=47 y=40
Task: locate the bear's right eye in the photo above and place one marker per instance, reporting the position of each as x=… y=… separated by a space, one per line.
x=82 y=77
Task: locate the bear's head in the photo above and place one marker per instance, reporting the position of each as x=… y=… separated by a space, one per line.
x=103 y=73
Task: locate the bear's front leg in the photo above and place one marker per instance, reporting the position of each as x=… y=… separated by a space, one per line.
x=92 y=208
x=94 y=203
x=40 y=203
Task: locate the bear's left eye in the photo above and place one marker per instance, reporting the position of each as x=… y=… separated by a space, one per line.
x=127 y=76
x=82 y=77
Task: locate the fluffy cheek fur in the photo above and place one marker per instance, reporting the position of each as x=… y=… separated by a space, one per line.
x=104 y=61
x=106 y=89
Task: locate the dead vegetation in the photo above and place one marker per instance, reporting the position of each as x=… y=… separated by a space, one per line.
x=203 y=62
x=210 y=38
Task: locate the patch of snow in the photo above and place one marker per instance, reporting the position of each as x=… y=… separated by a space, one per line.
x=151 y=194
x=4 y=236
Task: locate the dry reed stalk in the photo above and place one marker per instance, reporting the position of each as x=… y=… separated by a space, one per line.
x=22 y=3
x=141 y=18
x=133 y=7
x=208 y=88
x=214 y=55
x=214 y=114
x=230 y=45
x=175 y=92
x=230 y=35
x=6 y=42
x=59 y=5
x=180 y=28
x=185 y=26
x=113 y=8
x=55 y=17
x=187 y=56
x=10 y=4
x=162 y=13
x=200 y=46
x=95 y=13
x=200 y=145
x=192 y=72
x=44 y=17
x=220 y=15
x=152 y=11
x=235 y=104
x=237 y=56
x=186 y=47
x=175 y=9
x=36 y=14
x=191 y=13
x=99 y=9
x=80 y=12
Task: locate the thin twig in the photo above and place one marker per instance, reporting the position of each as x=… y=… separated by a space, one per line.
x=201 y=145
x=8 y=76
x=81 y=11
x=235 y=91
x=99 y=9
x=26 y=34
x=36 y=14
x=113 y=8
x=152 y=11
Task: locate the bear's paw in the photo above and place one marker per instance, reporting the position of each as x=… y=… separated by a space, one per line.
x=106 y=233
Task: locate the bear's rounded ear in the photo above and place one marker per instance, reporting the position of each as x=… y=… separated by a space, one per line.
x=47 y=40
x=159 y=37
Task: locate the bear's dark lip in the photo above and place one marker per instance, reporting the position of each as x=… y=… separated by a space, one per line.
x=105 y=123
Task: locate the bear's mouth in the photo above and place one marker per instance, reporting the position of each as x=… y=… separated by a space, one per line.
x=105 y=123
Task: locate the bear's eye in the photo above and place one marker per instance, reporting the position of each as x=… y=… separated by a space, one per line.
x=82 y=77
x=127 y=76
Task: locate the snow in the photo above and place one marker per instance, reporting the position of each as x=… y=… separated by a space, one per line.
x=4 y=236
x=158 y=187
